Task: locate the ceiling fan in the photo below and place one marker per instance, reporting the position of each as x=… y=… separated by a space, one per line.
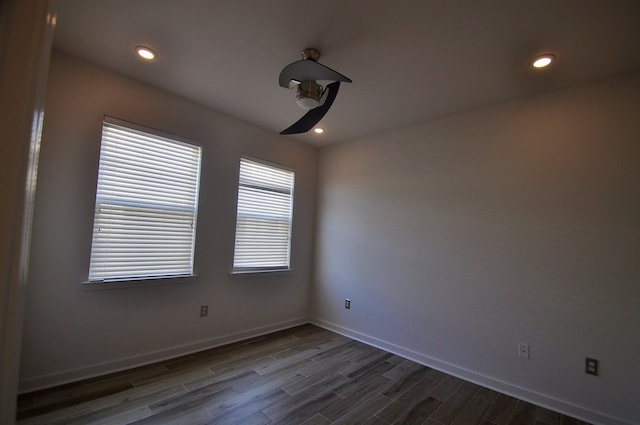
x=305 y=74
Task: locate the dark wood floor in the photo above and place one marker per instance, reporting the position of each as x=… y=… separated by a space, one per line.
x=305 y=375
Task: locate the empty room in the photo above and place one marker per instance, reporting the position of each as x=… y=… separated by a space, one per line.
x=327 y=212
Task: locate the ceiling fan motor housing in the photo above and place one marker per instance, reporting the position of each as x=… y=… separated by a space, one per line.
x=309 y=94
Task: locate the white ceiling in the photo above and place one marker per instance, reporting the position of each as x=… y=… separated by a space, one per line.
x=411 y=61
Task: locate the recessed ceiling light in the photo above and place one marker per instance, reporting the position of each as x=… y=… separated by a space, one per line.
x=542 y=61
x=318 y=130
x=146 y=53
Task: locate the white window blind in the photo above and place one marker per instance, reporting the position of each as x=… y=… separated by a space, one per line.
x=146 y=205
x=263 y=226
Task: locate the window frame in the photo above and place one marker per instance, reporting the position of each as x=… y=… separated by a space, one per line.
x=147 y=279
x=262 y=270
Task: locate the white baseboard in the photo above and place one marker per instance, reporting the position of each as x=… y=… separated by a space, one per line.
x=51 y=380
x=552 y=403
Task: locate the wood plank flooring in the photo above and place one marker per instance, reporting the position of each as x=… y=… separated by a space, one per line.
x=304 y=375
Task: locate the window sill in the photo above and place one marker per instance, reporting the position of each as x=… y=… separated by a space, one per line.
x=137 y=283
x=259 y=273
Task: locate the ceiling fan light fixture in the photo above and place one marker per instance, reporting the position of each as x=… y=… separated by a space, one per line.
x=146 y=53
x=318 y=130
x=307 y=102
x=309 y=94
x=542 y=61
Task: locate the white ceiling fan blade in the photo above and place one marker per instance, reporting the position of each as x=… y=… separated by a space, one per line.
x=308 y=70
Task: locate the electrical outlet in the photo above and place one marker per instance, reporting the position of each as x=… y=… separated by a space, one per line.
x=523 y=350
x=204 y=310
x=347 y=304
x=591 y=366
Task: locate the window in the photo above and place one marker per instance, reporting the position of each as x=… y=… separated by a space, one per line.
x=263 y=226
x=146 y=205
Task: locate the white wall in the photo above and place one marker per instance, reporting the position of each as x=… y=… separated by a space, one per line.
x=71 y=332
x=458 y=239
